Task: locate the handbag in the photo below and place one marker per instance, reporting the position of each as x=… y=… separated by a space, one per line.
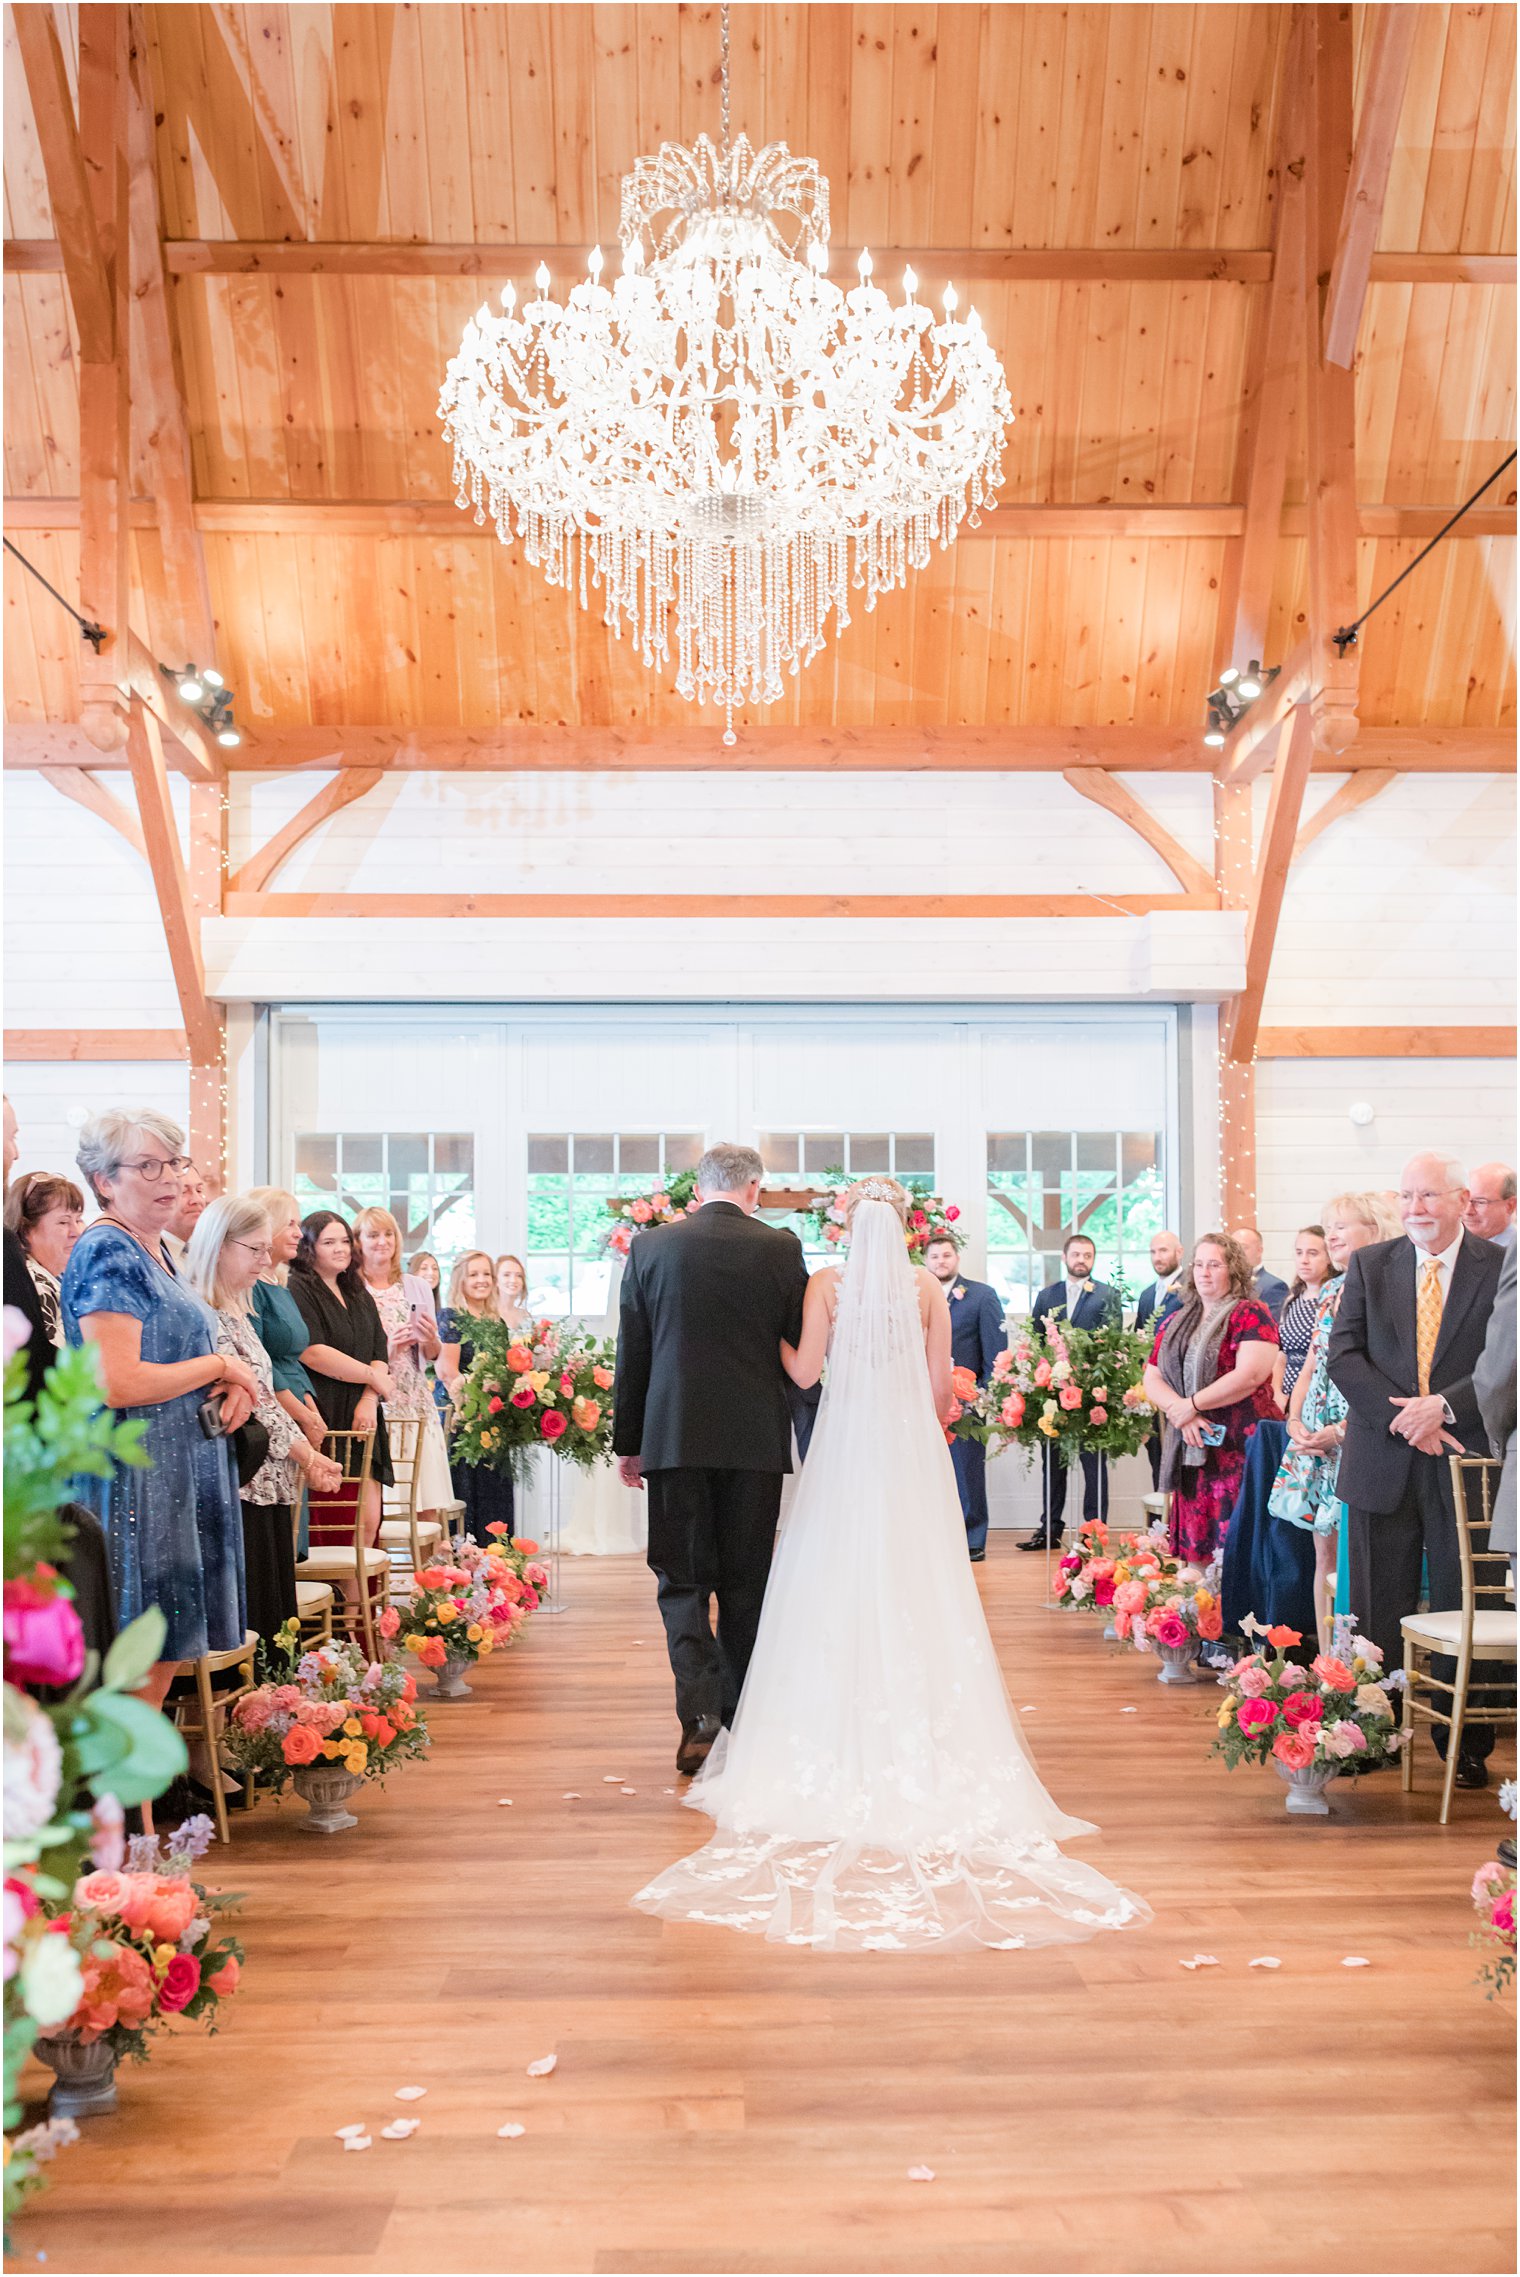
x=250 y=1449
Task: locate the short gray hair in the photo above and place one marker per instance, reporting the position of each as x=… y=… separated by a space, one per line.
x=107 y=1139
x=728 y=1169
x=231 y=1217
x=1451 y=1166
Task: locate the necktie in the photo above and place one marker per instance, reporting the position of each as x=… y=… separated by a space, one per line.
x=1427 y=1326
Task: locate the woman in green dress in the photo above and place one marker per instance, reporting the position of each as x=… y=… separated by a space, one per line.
x=281 y=1326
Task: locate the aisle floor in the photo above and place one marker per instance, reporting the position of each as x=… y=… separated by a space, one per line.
x=724 y=2105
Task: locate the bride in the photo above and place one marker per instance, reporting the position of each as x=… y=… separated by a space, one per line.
x=874 y=1793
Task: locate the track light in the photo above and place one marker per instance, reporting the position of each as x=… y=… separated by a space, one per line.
x=1250 y=686
x=1229 y=676
x=190 y=689
x=212 y=679
x=228 y=736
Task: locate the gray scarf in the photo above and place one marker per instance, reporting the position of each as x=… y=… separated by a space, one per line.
x=1189 y=1368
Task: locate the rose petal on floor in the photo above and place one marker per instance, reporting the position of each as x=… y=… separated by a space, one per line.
x=410 y=2094
x=1200 y=1961
x=503 y=1802
x=400 y=2130
x=1355 y=1961
x=357 y=2142
x=1129 y=1711
x=1265 y=1961
x=347 y=2134
x=542 y=2068
x=920 y=2174
x=613 y=1778
x=511 y=2131
x=571 y=1797
x=628 y=1790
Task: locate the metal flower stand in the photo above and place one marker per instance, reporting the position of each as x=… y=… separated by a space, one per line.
x=553 y=1599
x=1052 y=1601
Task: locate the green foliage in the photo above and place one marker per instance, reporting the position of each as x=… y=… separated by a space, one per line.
x=66 y=1434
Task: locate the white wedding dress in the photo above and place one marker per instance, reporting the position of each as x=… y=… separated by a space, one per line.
x=874 y=1793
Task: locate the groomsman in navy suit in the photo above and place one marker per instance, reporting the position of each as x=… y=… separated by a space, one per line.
x=1086 y=1303
x=1157 y=1299
x=976 y=1339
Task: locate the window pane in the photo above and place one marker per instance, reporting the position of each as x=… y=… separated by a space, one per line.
x=454 y=1151
x=1050 y=1153
x=548 y=1282
x=317 y=1161
x=822 y=1150
x=780 y=1151
x=591 y=1153
x=1006 y=1150
x=545 y=1153
x=408 y=1155
x=683 y=1151
x=639 y=1158
x=362 y=1152
x=868 y=1150
x=1098 y=1150
x=1141 y=1154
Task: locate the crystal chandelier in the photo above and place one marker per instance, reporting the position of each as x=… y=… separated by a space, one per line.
x=723 y=437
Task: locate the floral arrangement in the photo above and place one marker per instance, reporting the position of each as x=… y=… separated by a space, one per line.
x=929 y=1218
x=1310 y=1718
x=1075 y=1390
x=466 y=1607
x=334 y=1707
x=72 y=1764
x=1493 y=1894
x=149 y=1943
x=675 y=1197
x=1091 y=1575
x=1177 y=1609
x=548 y=1385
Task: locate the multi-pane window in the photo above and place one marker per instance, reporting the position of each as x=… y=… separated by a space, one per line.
x=1044 y=1185
x=426 y=1179
x=804 y=1158
x=572 y=1175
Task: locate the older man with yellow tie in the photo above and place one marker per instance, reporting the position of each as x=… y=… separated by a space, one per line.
x=1408 y=1335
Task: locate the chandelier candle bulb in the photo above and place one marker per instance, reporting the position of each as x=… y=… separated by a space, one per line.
x=910 y=283
x=865 y=263
x=594 y=262
x=951 y=300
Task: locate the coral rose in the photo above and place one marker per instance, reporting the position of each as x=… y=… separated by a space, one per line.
x=118 y=1989
x=641 y=1213
x=963 y=1382
x=1071 y=1396
x=587 y=1414
x=432 y=1652
x=1042 y=1373
x=1129 y=1596
x=1256 y=1717
x=602 y=1378
x=553 y=1425
x=181 y=1983
x=1210 y=1627
x=494 y=1406
x=519 y=1359
x=224 y=1981
x=1097 y=1415
x=1282 y=1637
x=1291 y=1748
x=1123 y=1623
x=300 y=1745
x=389 y=1622
x=1333 y=1673
x=1012 y=1410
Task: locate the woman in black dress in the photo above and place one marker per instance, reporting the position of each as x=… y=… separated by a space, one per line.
x=346 y=1358
x=485 y=1493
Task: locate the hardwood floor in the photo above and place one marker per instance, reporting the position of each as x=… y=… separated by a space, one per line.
x=725 y=2105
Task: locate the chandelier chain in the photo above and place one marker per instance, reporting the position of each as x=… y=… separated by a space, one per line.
x=726 y=138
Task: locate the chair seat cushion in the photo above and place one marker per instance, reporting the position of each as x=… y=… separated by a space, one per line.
x=1493 y=1633
x=313 y=1596
x=327 y=1563
x=396 y=1532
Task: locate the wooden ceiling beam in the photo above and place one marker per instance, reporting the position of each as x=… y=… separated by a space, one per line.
x=1330 y=395
x=1248 y=748
x=342 y=791
x=528 y=908
x=1183 y=264
x=105 y=382
x=1274 y=364
x=150 y=777
x=440 y=517
x=1386 y=1043
x=1290 y=778
x=1385 y=77
x=77 y=784
x=1100 y=786
x=34 y=1044
x=176 y=593
x=77 y=252
x=684 y=749
x=1356 y=791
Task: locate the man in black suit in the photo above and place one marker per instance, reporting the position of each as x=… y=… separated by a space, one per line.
x=976 y=1339
x=1410 y=1331
x=700 y=1417
x=1156 y=1299
x=1086 y=1303
x=1272 y=1292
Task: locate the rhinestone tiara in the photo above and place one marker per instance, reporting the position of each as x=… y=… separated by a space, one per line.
x=876 y=1190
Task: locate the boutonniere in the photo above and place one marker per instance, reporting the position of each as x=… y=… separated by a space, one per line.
x=959 y=1290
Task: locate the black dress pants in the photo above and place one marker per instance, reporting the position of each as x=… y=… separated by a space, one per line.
x=1386 y=1549
x=1056 y=1480
x=711 y=1534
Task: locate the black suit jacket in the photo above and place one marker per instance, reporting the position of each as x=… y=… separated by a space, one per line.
x=1152 y=1298
x=1373 y=1360
x=1097 y=1303
x=21 y=1291
x=1272 y=1292
x=705 y=1305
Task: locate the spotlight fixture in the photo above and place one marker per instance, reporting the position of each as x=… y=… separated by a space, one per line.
x=1234 y=696
x=1229 y=676
x=212 y=679
x=209 y=697
x=1251 y=683
x=191 y=689
x=229 y=736
x=1218 y=722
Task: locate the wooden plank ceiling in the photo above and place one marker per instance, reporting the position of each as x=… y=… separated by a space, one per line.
x=1137 y=128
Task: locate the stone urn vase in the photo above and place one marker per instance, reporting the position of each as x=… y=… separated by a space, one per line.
x=85 y=2075
x=325 y=1788
x=1306 y=1789
x=1179 y=1663
x=448 y=1681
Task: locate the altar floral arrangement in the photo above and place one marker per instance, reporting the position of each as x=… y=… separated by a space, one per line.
x=1075 y=1390
x=150 y=1946
x=929 y=1218
x=71 y=1764
x=545 y=1385
x=1310 y=1717
x=335 y=1706
x=466 y=1606
x=675 y=1197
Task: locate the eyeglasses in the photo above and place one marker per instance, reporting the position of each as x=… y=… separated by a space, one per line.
x=1428 y=1194
x=254 y=1248
x=152 y=1167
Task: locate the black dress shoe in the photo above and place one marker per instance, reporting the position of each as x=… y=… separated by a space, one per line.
x=1505 y=1853
x=977 y=1556
x=1472 y=1771
x=1040 y=1540
x=696 y=1744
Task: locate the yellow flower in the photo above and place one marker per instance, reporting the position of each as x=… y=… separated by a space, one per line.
x=414 y=1644
x=1050 y=1427
x=1204 y=1600
x=447 y=1612
x=473 y=1632
x=331 y=1750
x=163 y=1955
x=488 y=1438
x=353 y=1728
x=1227 y=1714
x=538 y=1377
x=358 y=1756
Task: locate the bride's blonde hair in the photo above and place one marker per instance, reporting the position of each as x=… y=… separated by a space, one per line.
x=876 y=1190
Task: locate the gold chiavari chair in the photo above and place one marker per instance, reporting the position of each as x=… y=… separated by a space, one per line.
x=1481 y=1628
x=203 y=1715
x=409 y=1541
x=337 y=1552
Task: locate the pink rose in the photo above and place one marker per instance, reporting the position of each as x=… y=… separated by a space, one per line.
x=1294 y=1677
x=103 y=1892
x=952 y=1212
x=1097 y=1415
x=1487 y=1878
x=1254 y=1681
x=1256 y=1717
x=1071 y=1396
x=1122 y=1624
x=253 y=1712
x=44 y=1642
x=1172 y=1631
x=1042 y=1374
x=1071 y=1563
x=1012 y=1410
x=224 y=1981
x=108 y=1833
x=1294 y=1750
x=1103 y=1589
x=553 y=1426
x=524 y=1396
x=1301 y=1708
x=182 y=1981
x=1503 y=1915
x=1342 y=1739
x=1129 y=1597
x=641 y=1214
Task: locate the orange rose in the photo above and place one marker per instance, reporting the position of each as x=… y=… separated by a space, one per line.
x=301 y=1745
x=963 y=1383
x=587 y=1414
x=519 y=1359
x=602 y=1378
x=432 y=1652
x=524 y=1548
x=225 y=1981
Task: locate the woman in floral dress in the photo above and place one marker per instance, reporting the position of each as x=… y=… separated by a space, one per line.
x=405 y=1305
x=1210 y=1376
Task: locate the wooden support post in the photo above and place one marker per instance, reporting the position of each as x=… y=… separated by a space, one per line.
x=181 y=921
x=208 y=1068
x=1330 y=421
x=1237 y=1081
x=1391 y=48
x=1290 y=779
x=104 y=382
